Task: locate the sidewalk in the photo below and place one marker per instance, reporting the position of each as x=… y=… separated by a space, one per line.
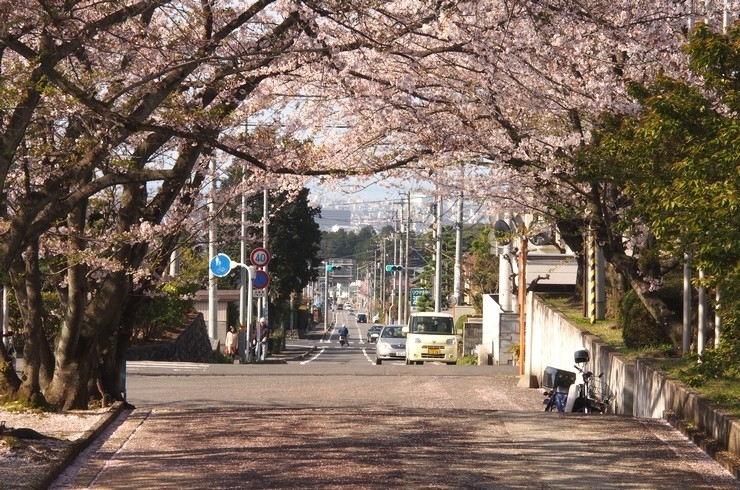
x=297 y=349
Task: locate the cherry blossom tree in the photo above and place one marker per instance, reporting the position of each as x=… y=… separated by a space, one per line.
x=114 y=111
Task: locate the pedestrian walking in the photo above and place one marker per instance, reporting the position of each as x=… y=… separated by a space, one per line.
x=232 y=342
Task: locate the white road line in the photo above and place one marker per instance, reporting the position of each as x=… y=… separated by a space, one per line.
x=372 y=360
x=175 y=366
x=314 y=357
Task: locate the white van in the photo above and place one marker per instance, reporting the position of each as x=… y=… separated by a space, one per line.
x=431 y=337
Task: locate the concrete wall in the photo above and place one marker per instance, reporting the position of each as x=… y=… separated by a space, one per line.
x=192 y=345
x=491 y=328
x=500 y=330
x=551 y=339
x=640 y=387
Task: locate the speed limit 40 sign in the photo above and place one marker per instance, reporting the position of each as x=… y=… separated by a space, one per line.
x=259 y=257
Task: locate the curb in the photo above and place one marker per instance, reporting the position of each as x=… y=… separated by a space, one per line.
x=284 y=358
x=83 y=442
x=706 y=443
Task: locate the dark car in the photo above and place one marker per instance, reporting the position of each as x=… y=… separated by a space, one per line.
x=362 y=318
x=373 y=332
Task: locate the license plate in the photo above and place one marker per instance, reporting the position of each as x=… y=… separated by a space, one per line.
x=433 y=350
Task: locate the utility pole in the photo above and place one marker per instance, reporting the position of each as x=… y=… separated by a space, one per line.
x=382 y=284
x=438 y=261
x=402 y=224
x=265 y=237
x=457 y=288
x=243 y=258
x=212 y=279
x=407 y=302
x=374 y=304
x=522 y=296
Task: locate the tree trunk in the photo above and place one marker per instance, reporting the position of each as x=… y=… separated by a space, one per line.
x=34 y=337
x=68 y=386
x=9 y=380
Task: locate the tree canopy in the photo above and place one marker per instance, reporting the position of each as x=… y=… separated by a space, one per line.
x=120 y=117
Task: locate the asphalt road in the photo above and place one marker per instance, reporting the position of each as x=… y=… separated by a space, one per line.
x=338 y=421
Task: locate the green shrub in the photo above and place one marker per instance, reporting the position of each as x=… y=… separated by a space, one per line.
x=468 y=360
x=639 y=329
x=277 y=341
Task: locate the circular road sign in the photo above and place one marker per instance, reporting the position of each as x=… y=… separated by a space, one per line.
x=259 y=257
x=261 y=280
x=220 y=265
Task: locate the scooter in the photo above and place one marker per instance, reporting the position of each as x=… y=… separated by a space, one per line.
x=563 y=394
x=342 y=339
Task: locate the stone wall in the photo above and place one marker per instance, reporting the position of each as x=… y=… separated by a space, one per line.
x=192 y=345
x=472 y=334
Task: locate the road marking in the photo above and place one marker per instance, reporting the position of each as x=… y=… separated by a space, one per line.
x=314 y=357
x=372 y=361
x=174 y=366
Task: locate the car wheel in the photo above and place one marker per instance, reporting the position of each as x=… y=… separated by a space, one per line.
x=378 y=362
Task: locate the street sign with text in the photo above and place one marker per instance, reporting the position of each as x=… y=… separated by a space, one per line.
x=417 y=293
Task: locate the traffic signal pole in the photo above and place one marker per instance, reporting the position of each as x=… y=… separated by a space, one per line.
x=326 y=298
x=329 y=267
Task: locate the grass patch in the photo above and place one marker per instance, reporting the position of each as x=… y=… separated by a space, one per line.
x=607 y=330
x=724 y=392
x=13 y=404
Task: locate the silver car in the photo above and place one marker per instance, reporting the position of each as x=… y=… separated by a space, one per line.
x=391 y=344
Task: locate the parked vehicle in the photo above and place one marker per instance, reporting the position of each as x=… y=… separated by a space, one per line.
x=563 y=394
x=391 y=344
x=373 y=332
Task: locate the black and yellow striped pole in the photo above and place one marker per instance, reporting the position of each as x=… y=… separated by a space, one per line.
x=591 y=276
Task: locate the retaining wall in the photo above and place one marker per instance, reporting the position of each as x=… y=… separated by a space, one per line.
x=641 y=388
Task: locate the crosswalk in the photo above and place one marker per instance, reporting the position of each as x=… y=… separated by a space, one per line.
x=139 y=366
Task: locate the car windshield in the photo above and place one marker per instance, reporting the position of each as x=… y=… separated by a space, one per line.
x=392 y=333
x=432 y=325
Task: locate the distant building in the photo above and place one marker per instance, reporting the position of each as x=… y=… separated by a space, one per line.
x=331 y=218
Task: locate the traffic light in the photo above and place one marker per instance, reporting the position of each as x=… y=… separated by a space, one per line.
x=391 y=268
x=331 y=267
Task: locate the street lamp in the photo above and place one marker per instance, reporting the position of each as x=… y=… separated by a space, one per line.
x=220 y=266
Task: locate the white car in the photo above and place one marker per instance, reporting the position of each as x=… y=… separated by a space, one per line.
x=391 y=344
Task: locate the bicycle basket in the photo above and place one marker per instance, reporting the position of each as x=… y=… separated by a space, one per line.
x=601 y=396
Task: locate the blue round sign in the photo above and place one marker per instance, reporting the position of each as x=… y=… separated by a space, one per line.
x=220 y=265
x=261 y=280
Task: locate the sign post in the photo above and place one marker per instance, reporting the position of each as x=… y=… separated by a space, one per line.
x=221 y=265
x=260 y=257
